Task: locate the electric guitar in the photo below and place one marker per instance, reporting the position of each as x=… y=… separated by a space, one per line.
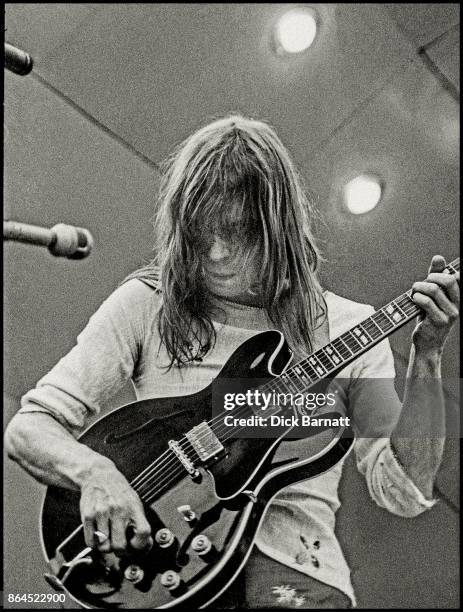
x=204 y=486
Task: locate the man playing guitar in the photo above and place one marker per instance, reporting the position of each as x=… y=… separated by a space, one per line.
x=236 y=256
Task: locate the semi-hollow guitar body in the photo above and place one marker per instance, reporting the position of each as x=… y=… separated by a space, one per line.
x=203 y=521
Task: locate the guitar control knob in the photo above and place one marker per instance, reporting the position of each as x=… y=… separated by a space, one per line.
x=204 y=548
x=201 y=544
x=188 y=514
x=171 y=580
x=164 y=537
x=134 y=573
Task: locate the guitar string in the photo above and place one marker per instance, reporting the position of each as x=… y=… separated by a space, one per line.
x=151 y=472
x=401 y=302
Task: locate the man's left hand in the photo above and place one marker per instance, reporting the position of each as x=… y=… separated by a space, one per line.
x=439 y=297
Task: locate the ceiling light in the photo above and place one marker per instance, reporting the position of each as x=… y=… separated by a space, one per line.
x=295 y=31
x=362 y=194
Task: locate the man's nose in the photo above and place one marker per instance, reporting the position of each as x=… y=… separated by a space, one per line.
x=219 y=250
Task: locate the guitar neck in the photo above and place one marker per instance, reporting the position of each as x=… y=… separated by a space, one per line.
x=329 y=360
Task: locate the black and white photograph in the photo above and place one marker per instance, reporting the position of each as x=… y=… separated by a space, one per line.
x=231 y=306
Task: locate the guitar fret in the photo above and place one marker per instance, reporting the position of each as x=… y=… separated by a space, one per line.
x=399 y=308
x=286 y=380
x=296 y=372
x=324 y=359
x=342 y=347
x=327 y=353
x=387 y=315
x=296 y=381
x=410 y=308
x=333 y=354
x=407 y=305
x=363 y=326
x=299 y=380
x=319 y=369
x=304 y=377
x=312 y=373
x=373 y=330
x=351 y=342
x=281 y=389
x=361 y=337
x=382 y=321
x=393 y=312
x=288 y=387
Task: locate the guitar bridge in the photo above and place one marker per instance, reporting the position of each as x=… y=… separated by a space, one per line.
x=204 y=441
x=183 y=457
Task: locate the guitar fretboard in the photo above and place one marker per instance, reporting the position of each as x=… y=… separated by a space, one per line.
x=333 y=357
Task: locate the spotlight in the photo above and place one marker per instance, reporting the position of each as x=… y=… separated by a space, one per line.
x=362 y=194
x=295 y=31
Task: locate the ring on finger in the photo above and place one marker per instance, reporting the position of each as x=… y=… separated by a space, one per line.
x=101 y=537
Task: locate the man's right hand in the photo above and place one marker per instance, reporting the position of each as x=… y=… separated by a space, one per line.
x=109 y=505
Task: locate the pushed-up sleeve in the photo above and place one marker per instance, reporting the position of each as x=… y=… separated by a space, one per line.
x=375 y=409
x=102 y=360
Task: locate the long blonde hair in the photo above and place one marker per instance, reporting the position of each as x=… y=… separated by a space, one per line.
x=241 y=164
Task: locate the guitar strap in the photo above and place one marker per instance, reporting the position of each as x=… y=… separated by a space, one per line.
x=151 y=282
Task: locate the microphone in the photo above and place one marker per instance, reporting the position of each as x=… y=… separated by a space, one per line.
x=17 y=61
x=61 y=240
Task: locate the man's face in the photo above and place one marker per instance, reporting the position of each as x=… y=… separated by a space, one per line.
x=224 y=273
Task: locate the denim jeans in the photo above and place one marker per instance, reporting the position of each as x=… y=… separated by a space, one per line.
x=265 y=583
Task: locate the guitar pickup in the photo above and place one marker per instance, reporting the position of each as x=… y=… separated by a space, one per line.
x=204 y=441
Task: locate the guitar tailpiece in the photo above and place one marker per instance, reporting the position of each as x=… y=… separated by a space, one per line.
x=54 y=582
x=62 y=569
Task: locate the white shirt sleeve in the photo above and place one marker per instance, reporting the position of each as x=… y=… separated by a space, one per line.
x=102 y=360
x=375 y=409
